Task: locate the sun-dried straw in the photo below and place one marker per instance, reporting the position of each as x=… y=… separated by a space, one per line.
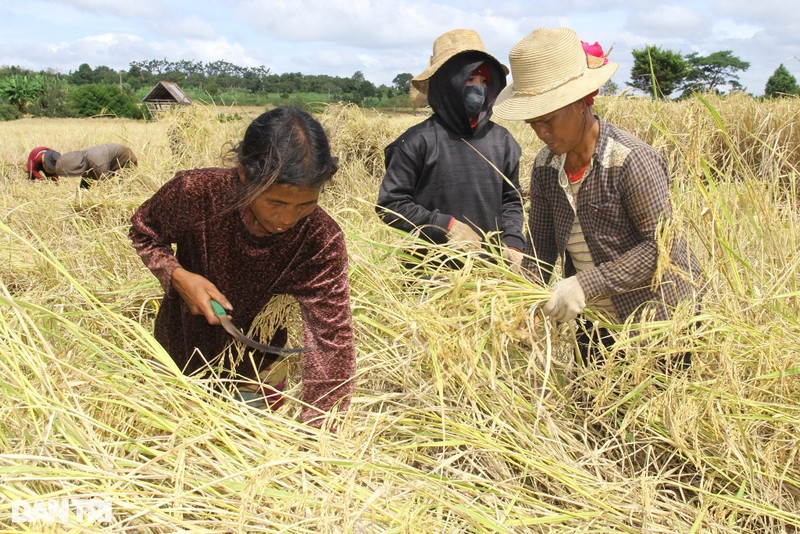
x=470 y=412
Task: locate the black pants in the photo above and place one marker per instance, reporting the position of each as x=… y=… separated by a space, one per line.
x=592 y=339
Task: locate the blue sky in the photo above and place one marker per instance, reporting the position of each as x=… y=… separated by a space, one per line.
x=382 y=39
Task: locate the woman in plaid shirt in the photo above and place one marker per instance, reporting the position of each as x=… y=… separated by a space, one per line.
x=599 y=196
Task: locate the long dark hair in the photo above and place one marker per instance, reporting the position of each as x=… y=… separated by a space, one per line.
x=284 y=146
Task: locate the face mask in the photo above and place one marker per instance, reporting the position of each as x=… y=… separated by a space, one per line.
x=474 y=96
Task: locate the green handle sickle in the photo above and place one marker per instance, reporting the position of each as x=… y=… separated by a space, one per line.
x=229 y=327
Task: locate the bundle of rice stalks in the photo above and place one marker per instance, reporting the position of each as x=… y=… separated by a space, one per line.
x=360 y=136
x=197 y=135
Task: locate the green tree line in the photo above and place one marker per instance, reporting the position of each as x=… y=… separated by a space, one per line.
x=101 y=90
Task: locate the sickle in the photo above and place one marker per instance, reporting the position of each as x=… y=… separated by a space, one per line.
x=220 y=312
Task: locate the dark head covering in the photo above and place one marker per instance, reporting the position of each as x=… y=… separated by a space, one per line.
x=446 y=87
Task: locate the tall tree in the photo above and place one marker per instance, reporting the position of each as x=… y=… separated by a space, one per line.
x=255 y=78
x=781 y=83
x=83 y=75
x=609 y=88
x=403 y=82
x=658 y=72
x=711 y=71
x=103 y=74
x=156 y=66
x=51 y=101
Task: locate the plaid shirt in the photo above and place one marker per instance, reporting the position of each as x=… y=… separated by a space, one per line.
x=624 y=207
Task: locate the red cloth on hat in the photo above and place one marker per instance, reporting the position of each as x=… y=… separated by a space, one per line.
x=484 y=70
x=589 y=99
x=594 y=50
x=35 y=165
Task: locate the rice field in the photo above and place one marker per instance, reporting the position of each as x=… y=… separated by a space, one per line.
x=470 y=413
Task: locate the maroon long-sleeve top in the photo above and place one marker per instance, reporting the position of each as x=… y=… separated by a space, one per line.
x=309 y=261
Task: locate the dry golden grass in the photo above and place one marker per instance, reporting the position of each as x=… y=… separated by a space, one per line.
x=469 y=414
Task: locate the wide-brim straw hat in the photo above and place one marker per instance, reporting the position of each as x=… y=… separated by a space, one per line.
x=446 y=46
x=550 y=70
x=418 y=98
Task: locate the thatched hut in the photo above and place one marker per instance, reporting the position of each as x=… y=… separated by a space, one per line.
x=164 y=97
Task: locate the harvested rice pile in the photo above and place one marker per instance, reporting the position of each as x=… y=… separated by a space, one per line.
x=470 y=414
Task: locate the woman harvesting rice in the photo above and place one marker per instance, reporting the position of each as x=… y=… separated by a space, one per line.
x=244 y=234
x=599 y=196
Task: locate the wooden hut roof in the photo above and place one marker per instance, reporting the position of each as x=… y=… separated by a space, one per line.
x=167 y=91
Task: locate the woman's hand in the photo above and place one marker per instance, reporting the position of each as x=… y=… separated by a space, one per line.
x=460 y=232
x=197 y=292
x=567 y=301
x=513 y=257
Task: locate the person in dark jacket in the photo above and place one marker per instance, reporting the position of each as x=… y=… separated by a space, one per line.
x=454 y=178
x=600 y=197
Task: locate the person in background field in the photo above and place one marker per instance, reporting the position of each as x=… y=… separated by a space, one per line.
x=93 y=163
x=455 y=176
x=244 y=234
x=600 y=197
x=38 y=168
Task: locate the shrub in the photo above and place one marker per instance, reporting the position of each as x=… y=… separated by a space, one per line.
x=100 y=99
x=21 y=90
x=52 y=100
x=9 y=112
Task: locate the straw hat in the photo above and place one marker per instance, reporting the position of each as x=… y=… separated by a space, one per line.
x=418 y=98
x=550 y=71
x=446 y=46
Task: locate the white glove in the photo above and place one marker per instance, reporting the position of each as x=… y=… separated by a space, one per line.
x=513 y=258
x=460 y=231
x=567 y=301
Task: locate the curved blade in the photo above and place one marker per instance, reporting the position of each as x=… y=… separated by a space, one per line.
x=239 y=336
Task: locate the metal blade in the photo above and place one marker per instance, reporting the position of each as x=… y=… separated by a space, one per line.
x=239 y=336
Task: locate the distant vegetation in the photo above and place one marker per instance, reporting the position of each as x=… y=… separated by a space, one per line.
x=102 y=90
x=88 y=92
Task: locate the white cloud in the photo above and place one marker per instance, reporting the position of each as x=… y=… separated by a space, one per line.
x=109 y=39
x=728 y=29
x=775 y=10
x=211 y=50
x=360 y=23
x=139 y=8
x=112 y=50
x=668 y=23
x=191 y=27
